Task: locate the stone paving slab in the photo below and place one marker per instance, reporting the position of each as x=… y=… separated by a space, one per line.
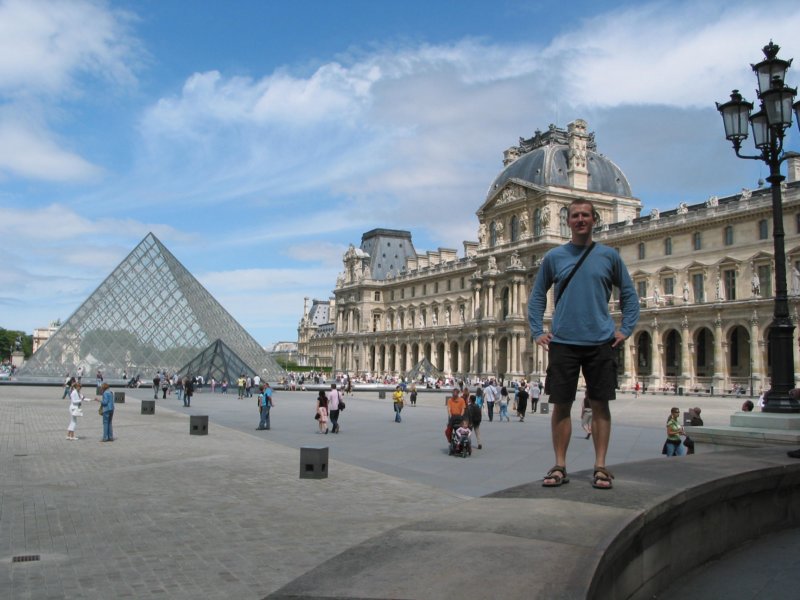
x=162 y=514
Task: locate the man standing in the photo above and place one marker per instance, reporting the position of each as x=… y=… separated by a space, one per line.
x=333 y=406
x=535 y=393
x=265 y=404
x=583 y=335
x=188 y=390
x=490 y=395
x=241 y=383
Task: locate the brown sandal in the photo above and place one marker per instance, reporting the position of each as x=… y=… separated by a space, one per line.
x=558 y=480
x=601 y=474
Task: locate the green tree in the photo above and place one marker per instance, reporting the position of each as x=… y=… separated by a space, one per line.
x=8 y=339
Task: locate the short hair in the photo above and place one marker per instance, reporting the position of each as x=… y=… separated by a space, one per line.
x=584 y=201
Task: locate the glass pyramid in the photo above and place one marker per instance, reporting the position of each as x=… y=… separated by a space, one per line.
x=150 y=314
x=217 y=361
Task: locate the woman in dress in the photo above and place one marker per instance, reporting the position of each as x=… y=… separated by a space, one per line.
x=75 y=400
x=322 y=412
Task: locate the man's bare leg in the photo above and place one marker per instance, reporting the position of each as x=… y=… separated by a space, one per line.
x=561 y=428
x=601 y=431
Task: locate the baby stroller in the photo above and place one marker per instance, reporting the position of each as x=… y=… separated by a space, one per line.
x=459 y=444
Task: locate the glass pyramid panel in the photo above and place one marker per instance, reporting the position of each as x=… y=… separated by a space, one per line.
x=217 y=361
x=150 y=314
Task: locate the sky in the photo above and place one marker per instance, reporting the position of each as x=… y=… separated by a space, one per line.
x=258 y=139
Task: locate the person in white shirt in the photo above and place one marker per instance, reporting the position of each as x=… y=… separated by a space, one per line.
x=490 y=395
x=334 y=397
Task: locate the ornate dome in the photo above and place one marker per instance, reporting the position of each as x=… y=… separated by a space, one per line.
x=543 y=160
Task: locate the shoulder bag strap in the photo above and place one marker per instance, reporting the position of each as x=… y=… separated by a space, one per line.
x=577 y=266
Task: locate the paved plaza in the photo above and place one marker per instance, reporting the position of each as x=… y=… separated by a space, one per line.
x=160 y=513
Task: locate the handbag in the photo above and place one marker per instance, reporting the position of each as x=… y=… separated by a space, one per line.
x=100 y=410
x=341 y=405
x=316 y=416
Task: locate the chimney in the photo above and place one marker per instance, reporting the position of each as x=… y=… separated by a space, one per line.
x=577 y=170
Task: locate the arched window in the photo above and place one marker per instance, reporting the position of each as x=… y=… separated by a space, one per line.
x=493 y=234
x=563 y=218
x=514 y=228
x=537 y=222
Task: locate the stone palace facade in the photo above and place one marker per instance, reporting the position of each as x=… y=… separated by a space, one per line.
x=704 y=274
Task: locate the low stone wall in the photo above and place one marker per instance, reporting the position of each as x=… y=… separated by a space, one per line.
x=663 y=518
x=719 y=502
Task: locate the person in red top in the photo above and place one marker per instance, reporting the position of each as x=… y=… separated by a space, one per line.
x=456 y=407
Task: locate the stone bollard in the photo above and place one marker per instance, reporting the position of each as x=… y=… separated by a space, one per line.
x=314 y=462
x=119 y=397
x=544 y=408
x=148 y=407
x=198 y=425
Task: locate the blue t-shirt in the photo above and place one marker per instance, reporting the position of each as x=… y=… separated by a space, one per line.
x=582 y=316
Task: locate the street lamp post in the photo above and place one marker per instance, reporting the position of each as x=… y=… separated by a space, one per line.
x=769 y=126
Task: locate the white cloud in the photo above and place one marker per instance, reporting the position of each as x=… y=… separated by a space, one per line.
x=32 y=152
x=45 y=45
x=315 y=251
x=49 y=52
x=675 y=54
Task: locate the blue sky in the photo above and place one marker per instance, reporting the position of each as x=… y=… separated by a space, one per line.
x=257 y=139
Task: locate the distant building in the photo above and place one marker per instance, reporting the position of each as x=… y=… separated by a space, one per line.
x=41 y=335
x=315 y=334
x=704 y=273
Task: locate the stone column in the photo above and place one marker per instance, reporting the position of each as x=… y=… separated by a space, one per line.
x=474 y=347
x=719 y=355
x=490 y=363
x=515 y=353
x=658 y=360
x=490 y=300
x=686 y=358
x=755 y=354
x=476 y=301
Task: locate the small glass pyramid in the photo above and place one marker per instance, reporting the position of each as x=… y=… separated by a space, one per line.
x=149 y=315
x=217 y=361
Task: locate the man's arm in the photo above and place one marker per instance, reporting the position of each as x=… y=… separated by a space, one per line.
x=629 y=305
x=537 y=303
